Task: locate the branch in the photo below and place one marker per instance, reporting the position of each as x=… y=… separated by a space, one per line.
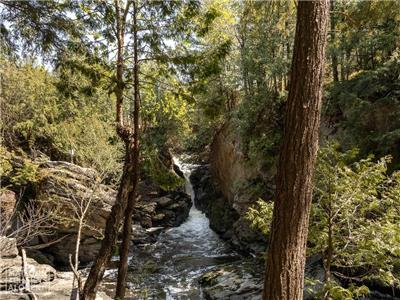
x=45 y=245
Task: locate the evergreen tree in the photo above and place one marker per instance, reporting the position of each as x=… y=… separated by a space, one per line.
x=287 y=245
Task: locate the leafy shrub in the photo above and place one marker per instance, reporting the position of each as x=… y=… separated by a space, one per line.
x=354 y=219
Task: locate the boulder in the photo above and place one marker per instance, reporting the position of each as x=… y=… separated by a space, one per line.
x=63 y=188
x=245 y=280
x=233 y=281
x=11 y=268
x=142 y=236
x=163 y=201
x=58 y=254
x=8 y=247
x=166 y=211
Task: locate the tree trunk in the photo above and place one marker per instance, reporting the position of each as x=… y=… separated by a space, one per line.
x=75 y=293
x=126 y=189
x=125 y=192
x=127 y=231
x=287 y=249
x=334 y=57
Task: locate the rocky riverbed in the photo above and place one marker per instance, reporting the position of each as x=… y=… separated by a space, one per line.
x=179 y=250
x=62 y=187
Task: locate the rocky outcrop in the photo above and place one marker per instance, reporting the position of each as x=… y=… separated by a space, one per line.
x=227 y=221
x=245 y=280
x=236 y=281
x=211 y=201
x=169 y=210
x=11 y=267
x=8 y=247
x=65 y=188
x=226 y=188
x=45 y=282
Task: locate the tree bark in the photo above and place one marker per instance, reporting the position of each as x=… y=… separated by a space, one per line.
x=334 y=57
x=127 y=231
x=111 y=230
x=287 y=248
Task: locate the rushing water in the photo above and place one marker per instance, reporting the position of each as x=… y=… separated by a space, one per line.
x=170 y=268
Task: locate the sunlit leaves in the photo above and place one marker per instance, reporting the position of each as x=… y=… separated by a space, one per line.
x=357 y=205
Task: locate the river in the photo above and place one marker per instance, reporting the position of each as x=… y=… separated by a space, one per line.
x=170 y=268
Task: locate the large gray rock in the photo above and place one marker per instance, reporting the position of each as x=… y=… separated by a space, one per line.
x=234 y=281
x=245 y=280
x=8 y=247
x=166 y=211
x=11 y=268
x=63 y=188
x=57 y=289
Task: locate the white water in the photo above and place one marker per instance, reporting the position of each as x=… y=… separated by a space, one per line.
x=179 y=257
x=182 y=254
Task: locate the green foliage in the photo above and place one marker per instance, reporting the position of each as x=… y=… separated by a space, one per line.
x=258 y=125
x=35 y=26
x=153 y=168
x=354 y=220
x=30 y=103
x=26 y=174
x=165 y=109
x=366 y=34
x=40 y=113
x=5 y=164
x=333 y=291
x=367 y=110
x=260 y=216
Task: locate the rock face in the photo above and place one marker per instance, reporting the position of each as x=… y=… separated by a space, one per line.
x=65 y=188
x=211 y=201
x=169 y=210
x=224 y=190
x=8 y=248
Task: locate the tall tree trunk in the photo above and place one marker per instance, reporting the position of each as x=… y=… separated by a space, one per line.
x=126 y=188
x=287 y=248
x=334 y=57
x=125 y=192
x=127 y=231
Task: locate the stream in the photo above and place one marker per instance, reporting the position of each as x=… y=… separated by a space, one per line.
x=170 y=268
